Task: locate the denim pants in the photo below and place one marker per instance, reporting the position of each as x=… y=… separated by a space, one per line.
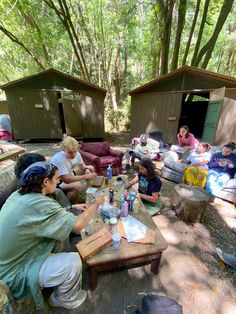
x=216 y=181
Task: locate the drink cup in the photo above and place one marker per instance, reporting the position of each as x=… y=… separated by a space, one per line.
x=113 y=225
x=116 y=240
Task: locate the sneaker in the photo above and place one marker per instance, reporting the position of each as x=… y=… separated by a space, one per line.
x=55 y=302
x=226 y=258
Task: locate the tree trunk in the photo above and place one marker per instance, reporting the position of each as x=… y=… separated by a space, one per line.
x=117 y=80
x=166 y=12
x=200 y=33
x=14 y=39
x=191 y=32
x=209 y=46
x=190 y=202
x=180 y=26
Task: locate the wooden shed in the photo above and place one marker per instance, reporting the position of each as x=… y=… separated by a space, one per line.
x=203 y=100
x=51 y=103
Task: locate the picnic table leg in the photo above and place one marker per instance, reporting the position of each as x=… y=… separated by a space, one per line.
x=155 y=264
x=93 y=279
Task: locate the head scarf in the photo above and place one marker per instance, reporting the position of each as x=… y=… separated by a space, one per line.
x=38 y=168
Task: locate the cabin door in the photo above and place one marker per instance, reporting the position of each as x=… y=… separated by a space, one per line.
x=212 y=115
x=72 y=113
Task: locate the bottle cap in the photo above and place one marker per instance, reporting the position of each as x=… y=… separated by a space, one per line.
x=113 y=221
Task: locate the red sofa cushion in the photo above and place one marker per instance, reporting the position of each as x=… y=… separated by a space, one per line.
x=109 y=160
x=98 y=149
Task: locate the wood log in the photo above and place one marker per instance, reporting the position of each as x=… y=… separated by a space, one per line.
x=190 y=202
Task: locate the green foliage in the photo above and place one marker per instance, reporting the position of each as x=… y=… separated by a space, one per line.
x=121 y=42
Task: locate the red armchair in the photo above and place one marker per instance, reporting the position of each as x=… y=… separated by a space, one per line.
x=100 y=155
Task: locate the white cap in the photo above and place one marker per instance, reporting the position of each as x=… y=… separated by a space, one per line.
x=113 y=221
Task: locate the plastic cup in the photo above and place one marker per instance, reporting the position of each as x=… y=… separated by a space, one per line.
x=116 y=240
x=113 y=224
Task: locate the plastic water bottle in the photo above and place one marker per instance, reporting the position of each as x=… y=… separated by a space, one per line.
x=122 y=200
x=125 y=209
x=109 y=173
x=132 y=198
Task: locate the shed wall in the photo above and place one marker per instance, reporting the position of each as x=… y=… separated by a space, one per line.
x=226 y=129
x=151 y=112
x=4 y=107
x=29 y=122
x=84 y=115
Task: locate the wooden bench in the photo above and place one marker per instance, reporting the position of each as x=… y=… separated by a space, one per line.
x=12 y=154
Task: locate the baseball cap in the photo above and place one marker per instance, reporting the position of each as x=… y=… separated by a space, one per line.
x=143 y=138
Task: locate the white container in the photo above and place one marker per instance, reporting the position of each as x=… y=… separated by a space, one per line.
x=116 y=240
x=113 y=224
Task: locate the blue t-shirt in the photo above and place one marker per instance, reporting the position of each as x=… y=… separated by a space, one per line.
x=226 y=164
x=149 y=186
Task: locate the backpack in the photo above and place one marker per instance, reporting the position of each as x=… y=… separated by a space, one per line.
x=155 y=304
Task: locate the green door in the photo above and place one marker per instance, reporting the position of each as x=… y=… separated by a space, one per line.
x=212 y=116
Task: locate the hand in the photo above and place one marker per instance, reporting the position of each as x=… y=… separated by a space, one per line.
x=91 y=176
x=87 y=171
x=126 y=186
x=146 y=152
x=81 y=207
x=138 y=195
x=230 y=165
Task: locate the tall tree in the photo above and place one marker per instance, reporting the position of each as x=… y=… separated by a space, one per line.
x=166 y=11
x=191 y=32
x=180 y=26
x=62 y=11
x=200 y=33
x=209 y=46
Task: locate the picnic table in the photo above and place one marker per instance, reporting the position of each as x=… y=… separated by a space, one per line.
x=129 y=254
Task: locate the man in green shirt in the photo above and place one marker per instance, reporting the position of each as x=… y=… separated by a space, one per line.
x=30 y=224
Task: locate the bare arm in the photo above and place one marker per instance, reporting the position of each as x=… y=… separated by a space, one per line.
x=68 y=178
x=153 y=198
x=203 y=163
x=133 y=181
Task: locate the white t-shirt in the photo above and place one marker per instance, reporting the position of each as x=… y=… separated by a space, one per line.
x=65 y=165
x=195 y=158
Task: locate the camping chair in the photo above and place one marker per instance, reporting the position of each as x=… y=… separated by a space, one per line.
x=158 y=136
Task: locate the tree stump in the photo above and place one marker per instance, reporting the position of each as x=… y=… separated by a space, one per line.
x=190 y=202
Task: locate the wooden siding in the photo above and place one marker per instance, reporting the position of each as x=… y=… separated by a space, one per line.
x=151 y=112
x=29 y=122
x=230 y=93
x=84 y=115
x=4 y=107
x=226 y=129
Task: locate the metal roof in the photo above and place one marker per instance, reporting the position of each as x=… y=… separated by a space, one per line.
x=184 y=70
x=52 y=70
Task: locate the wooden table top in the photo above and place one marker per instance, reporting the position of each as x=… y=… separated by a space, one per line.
x=127 y=250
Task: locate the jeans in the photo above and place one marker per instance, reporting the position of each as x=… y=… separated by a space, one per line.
x=216 y=181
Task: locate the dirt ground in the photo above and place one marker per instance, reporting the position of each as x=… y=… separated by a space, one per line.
x=190 y=272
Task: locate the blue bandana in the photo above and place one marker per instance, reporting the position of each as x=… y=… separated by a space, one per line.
x=38 y=168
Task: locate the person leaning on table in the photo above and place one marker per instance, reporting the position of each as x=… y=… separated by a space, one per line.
x=72 y=168
x=22 y=163
x=149 y=186
x=30 y=224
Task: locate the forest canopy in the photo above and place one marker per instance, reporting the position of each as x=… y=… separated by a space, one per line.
x=118 y=45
